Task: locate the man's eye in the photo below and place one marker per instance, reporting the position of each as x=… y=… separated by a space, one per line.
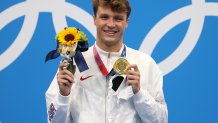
x=118 y=18
x=104 y=17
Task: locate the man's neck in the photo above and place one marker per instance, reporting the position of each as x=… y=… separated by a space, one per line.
x=110 y=48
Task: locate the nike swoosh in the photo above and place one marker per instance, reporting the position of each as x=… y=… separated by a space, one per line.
x=84 y=78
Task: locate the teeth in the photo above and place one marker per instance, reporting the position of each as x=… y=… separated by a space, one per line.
x=110 y=32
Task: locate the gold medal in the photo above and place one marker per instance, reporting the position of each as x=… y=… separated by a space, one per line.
x=120 y=66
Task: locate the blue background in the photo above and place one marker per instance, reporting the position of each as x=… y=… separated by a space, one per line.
x=190 y=90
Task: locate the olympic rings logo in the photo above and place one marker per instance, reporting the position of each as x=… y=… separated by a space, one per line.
x=196 y=12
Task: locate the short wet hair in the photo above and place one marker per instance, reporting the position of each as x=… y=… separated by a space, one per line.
x=115 y=5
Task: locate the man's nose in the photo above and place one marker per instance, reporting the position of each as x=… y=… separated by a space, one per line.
x=111 y=23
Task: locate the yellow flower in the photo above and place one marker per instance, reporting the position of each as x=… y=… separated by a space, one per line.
x=69 y=36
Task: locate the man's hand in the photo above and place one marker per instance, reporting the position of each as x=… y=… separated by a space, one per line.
x=133 y=77
x=65 y=79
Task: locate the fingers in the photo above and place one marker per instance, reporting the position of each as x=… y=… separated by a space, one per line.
x=65 y=75
x=65 y=83
x=65 y=78
x=133 y=77
x=133 y=71
x=63 y=65
x=133 y=67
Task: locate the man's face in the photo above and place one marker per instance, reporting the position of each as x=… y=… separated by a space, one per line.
x=110 y=26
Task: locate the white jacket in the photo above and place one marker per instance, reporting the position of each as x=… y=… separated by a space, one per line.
x=93 y=101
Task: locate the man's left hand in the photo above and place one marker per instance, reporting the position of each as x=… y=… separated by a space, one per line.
x=133 y=77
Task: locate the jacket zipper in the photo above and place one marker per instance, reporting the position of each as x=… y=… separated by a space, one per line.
x=107 y=86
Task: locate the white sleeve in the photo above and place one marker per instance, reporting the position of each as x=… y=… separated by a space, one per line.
x=57 y=105
x=149 y=101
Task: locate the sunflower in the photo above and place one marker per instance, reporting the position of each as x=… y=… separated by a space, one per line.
x=69 y=36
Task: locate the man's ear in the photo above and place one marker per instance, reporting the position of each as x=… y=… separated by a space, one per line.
x=127 y=23
x=94 y=19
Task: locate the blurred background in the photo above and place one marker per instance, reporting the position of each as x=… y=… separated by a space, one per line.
x=182 y=37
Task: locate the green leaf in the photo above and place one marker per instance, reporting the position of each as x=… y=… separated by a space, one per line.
x=71 y=67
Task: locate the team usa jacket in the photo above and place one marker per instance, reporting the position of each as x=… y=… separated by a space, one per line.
x=93 y=100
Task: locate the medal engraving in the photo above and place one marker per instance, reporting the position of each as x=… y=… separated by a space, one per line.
x=120 y=66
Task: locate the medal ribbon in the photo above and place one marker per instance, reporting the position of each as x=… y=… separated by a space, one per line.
x=100 y=63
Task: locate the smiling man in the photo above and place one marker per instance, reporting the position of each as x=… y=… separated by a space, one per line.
x=122 y=85
x=110 y=28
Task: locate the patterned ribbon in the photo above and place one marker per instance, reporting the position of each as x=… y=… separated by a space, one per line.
x=79 y=59
x=101 y=65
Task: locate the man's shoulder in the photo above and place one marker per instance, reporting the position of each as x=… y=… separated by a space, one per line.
x=138 y=54
x=142 y=59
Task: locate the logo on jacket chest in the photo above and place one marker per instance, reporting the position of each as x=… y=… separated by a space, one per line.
x=82 y=78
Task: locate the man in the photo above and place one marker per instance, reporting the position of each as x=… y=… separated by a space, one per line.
x=90 y=97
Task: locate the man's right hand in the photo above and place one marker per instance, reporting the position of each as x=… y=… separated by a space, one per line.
x=65 y=79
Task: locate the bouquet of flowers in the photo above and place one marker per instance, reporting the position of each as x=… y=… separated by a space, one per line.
x=70 y=43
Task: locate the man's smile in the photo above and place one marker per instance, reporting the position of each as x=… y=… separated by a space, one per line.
x=110 y=32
